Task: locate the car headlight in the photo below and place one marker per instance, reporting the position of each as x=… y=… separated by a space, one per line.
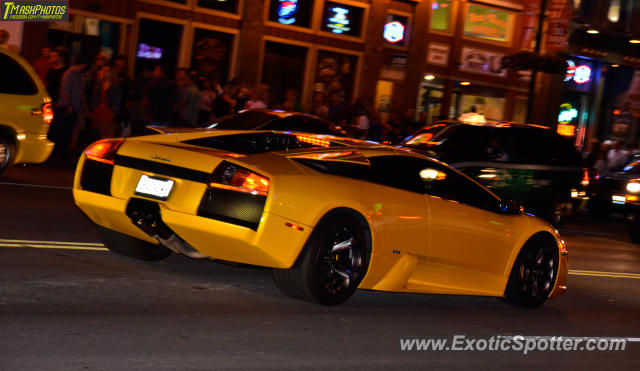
x=633 y=187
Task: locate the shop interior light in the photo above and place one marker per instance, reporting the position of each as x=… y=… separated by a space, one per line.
x=593 y=31
x=635 y=41
x=465 y=83
x=429 y=77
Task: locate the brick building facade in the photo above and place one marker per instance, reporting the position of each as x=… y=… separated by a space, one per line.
x=338 y=45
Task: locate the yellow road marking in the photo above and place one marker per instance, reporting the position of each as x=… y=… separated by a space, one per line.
x=90 y=246
x=577 y=272
x=52 y=242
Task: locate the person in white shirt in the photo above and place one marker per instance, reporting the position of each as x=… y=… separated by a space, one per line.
x=616 y=156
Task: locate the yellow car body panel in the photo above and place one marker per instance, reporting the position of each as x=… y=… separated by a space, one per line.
x=21 y=117
x=419 y=243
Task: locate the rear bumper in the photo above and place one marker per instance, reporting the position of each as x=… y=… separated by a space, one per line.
x=33 y=148
x=273 y=244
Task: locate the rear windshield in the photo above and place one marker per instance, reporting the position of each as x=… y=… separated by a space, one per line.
x=248 y=120
x=253 y=143
x=14 y=79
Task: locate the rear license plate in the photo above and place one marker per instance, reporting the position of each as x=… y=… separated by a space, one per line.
x=152 y=187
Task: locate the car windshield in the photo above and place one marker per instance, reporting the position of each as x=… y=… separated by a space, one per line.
x=248 y=120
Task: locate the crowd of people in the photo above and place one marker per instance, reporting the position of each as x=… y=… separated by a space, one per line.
x=608 y=156
x=96 y=98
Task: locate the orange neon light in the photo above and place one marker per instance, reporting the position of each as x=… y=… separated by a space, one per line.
x=632 y=198
x=314 y=141
x=566 y=130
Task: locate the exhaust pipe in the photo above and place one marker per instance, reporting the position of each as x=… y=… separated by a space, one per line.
x=149 y=222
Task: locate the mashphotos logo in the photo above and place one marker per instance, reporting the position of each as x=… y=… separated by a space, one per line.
x=12 y=10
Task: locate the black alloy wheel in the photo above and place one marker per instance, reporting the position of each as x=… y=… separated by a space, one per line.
x=533 y=275
x=340 y=261
x=333 y=264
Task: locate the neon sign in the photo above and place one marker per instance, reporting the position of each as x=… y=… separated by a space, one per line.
x=566 y=116
x=582 y=74
x=287 y=11
x=394 y=32
x=579 y=74
x=339 y=21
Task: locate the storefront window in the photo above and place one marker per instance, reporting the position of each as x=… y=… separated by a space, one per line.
x=158 y=43
x=86 y=36
x=396 y=30
x=335 y=72
x=229 y=6
x=342 y=19
x=291 y=12
x=491 y=107
x=211 y=53
x=441 y=15
x=488 y=23
x=283 y=68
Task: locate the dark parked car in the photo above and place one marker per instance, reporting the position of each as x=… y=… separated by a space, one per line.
x=532 y=164
x=619 y=192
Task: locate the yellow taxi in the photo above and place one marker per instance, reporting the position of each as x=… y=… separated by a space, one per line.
x=328 y=214
x=25 y=113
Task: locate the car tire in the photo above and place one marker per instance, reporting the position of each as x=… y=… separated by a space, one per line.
x=130 y=246
x=7 y=150
x=533 y=274
x=634 y=229
x=333 y=263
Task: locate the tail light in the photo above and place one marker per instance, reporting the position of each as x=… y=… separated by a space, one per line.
x=104 y=150
x=585 y=178
x=235 y=195
x=236 y=178
x=47 y=113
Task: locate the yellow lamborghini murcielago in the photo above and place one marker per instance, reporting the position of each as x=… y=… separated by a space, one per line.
x=327 y=214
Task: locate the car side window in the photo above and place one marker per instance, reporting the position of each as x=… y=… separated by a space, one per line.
x=397 y=171
x=15 y=80
x=463 y=142
x=447 y=184
x=427 y=177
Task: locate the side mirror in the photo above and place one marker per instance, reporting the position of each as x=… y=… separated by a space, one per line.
x=511 y=207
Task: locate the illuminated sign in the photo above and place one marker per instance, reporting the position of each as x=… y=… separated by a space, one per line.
x=488 y=23
x=566 y=116
x=579 y=74
x=287 y=11
x=582 y=74
x=339 y=22
x=396 y=29
x=342 y=19
x=394 y=32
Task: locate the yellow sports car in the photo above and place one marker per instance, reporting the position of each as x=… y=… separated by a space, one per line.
x=328 y=214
